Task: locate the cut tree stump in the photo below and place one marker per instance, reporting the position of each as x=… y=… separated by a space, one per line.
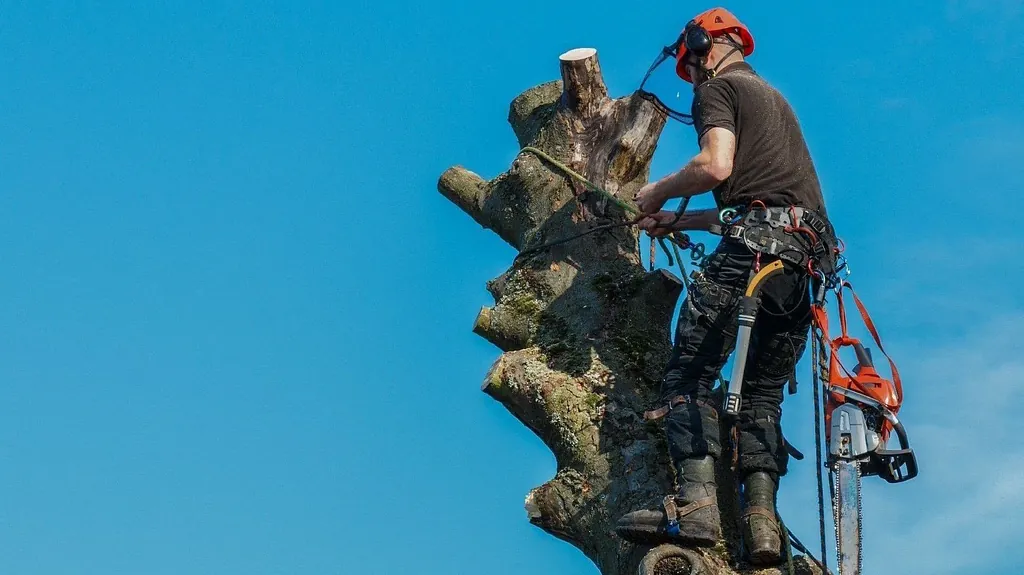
x=584 y=328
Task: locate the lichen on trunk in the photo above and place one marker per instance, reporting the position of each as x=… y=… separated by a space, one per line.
x=583 y=327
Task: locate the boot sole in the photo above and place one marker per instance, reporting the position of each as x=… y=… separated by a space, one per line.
x=765 y=556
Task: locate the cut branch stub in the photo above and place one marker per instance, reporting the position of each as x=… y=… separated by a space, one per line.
x=585 y=92
x=466 y=190
x=507 y=330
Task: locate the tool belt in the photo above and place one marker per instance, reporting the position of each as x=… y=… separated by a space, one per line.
x=782 y=232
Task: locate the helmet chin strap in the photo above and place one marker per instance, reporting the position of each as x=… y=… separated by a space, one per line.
x=736 y=47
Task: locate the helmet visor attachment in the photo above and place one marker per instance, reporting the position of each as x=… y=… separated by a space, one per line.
x=667 y=53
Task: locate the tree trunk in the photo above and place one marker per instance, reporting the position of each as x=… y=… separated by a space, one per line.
x=584 y=328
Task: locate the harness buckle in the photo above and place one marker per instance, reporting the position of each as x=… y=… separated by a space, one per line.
x=672 y=514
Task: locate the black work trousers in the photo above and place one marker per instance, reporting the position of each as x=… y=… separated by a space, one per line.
x=706 y=336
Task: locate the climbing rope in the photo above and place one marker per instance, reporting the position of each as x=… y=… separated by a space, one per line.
x=799 y=546
x=574 y=237
x=680 y=241
x=818 y=443
x=579 y=177
x=787 y=545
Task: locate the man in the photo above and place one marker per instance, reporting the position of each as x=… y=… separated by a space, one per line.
x=752 y=154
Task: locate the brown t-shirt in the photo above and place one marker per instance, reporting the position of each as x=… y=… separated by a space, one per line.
x=772 y=163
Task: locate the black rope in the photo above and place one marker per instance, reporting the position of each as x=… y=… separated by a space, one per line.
x=676 y=242
x=676 y=115
x=799 y=546
x=818 y=443
x=574 y=237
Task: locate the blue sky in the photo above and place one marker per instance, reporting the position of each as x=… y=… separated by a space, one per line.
x=237 y=312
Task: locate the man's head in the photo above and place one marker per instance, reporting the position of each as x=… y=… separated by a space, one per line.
x=711 y=40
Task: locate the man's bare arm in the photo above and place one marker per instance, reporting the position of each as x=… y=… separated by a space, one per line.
x=705 y=171
x=697 y=220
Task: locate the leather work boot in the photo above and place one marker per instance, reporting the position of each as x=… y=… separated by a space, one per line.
x=690 y=517
x=761 y=529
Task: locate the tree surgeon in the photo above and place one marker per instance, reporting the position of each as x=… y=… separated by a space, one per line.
x=754 y=160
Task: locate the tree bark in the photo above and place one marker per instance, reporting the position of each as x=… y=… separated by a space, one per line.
x=584 y=328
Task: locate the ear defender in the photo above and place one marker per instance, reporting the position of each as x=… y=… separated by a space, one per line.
x=697 y=40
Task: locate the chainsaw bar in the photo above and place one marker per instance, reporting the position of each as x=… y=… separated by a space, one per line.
x=848 y=514
x=849 y=446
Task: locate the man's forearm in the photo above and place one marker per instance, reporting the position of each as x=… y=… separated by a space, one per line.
x=696 y=177
x=697 y=220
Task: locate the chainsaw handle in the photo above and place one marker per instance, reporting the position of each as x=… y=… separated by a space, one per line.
x=898 y=465
x=901 y=434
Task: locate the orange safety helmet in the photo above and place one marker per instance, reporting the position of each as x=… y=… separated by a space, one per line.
x=716 y=21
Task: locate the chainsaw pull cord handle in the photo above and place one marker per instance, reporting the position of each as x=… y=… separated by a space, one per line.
x=863 y=355
x=871 y=329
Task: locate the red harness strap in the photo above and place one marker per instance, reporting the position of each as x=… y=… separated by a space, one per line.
x=874 y=334
x=864 y=378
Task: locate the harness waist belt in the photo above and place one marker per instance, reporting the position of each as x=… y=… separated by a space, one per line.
x=782 y=232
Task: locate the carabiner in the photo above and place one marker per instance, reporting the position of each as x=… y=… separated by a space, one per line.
x=844 y=266
x=696 y=252
x=729 y=215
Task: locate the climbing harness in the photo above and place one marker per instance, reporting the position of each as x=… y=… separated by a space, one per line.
x=794 y=235
x=861 y=407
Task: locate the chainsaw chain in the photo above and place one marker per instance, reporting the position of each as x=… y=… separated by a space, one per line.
x=834 y=472
x=860 y=521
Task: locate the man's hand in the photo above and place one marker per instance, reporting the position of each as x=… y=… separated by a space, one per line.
x=659 y=224
x=649 y=199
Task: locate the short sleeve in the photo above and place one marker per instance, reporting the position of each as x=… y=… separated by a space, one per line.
x=713 y=107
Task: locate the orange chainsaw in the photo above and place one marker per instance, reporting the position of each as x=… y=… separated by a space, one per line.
x=861 y=409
